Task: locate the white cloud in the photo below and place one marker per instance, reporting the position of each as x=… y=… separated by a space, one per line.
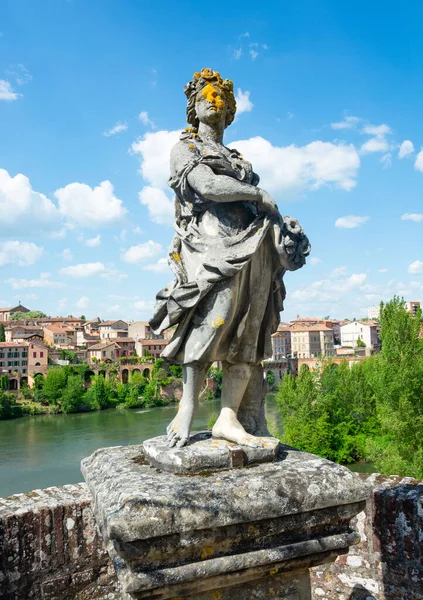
x=330 y=290
x=144 y=305
x=377 y=130
x=253 y=54
x=154 y=150
x=95 y=241
x=113 y=275
x=405 y=149
x=66 y=254
x=416 y=267
x=314 y=260
x=243 y=102
x=160 y=207
x=145 y=119
x=83 y=303
x=339 y=271
x=22 y=209
x=349 y=122
x=44 y=281
x=375 y=145
x=20 y=74
x=383 y=270
x=161 y=266
x=416 y=217
x=288 y=168
x=386 y=160
x=418 y=165
x=90 y=207
x=137 y=254
x=118 y=128
x=350 y=221
x=113 y=309
x=378 y=143
x=19 y=253
x=6 y=91
x=84 y=270
x=237 y=53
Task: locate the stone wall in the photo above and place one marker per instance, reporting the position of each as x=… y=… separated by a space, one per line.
x=388 y=562
x=50 y=548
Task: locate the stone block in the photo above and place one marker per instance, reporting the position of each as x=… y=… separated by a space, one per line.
x=172 y=535
x=204 y=453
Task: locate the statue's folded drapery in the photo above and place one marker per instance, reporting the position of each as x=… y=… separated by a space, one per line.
x=228 y=260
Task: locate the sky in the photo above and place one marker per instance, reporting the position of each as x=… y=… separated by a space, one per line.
x=329 y=101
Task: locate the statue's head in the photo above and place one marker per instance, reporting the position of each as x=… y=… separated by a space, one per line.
x=210 y=99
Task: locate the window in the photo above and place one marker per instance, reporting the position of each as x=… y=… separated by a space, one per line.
x=34 y=355
x=104 y=353
x=41 y=354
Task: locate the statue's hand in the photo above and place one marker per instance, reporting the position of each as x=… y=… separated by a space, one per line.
x=267 y=204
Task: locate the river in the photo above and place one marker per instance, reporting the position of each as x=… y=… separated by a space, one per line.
x=46 y=450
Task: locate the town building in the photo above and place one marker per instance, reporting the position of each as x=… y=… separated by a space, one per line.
x=60 y=336
x=281 y=342
x=311 y=341
x=23 y=358
x=6 y=312
x=373 y=312
x=412 y=307
x=150 y=347
x=334 y=324
x=113 y=329
x=111 y=350
x=366 y=331
x=21 y=333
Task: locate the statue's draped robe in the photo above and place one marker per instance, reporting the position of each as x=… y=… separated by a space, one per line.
x=228 y=290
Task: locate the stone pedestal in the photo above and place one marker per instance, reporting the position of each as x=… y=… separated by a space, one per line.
x=232 y=534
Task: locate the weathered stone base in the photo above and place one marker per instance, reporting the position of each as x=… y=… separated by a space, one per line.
x=204 y=453
x=172 y=535
x=385 y=565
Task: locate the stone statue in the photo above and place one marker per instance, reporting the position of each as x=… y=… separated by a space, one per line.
x=229 y=253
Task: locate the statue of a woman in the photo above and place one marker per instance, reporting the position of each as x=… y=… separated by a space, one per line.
x=229 y=253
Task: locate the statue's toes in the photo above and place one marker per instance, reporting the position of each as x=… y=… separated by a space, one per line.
x=182 y=442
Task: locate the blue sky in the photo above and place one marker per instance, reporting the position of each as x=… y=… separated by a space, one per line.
x=91 y=101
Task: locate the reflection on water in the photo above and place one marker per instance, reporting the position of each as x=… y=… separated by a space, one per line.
x=46 y=450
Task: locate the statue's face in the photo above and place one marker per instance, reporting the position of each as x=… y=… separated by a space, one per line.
x=210 y=105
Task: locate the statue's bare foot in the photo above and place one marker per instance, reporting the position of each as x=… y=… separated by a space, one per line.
x=228 y=427
x=179 y=429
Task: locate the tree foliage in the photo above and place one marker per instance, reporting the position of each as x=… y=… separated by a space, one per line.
x=2 y=333
x=373 y=410
x=32 y=314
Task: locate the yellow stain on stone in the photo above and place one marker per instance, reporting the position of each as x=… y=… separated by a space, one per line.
x=175 y=427
x=218 y=322
x=273 y=571
x=216 y=595
x=176 y=256
x=191 y=146
x=206 y=552
x=212 y=95
x=252 y=529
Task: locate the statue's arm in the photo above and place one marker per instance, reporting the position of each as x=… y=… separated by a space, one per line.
x=218 y=188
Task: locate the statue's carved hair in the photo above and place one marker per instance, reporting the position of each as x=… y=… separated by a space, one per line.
x=198 y=82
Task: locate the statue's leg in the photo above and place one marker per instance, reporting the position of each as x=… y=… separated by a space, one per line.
x=179 y=429
x=234 y=383
x=251 y=413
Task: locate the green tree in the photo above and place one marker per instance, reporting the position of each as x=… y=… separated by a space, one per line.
x=54 y=384
x=73 y=394
x=270 y=378
x=97 y=395
x=398 y=389
x=360 y=343
x=2 y=334
x=32 y=314
x=7 y=405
